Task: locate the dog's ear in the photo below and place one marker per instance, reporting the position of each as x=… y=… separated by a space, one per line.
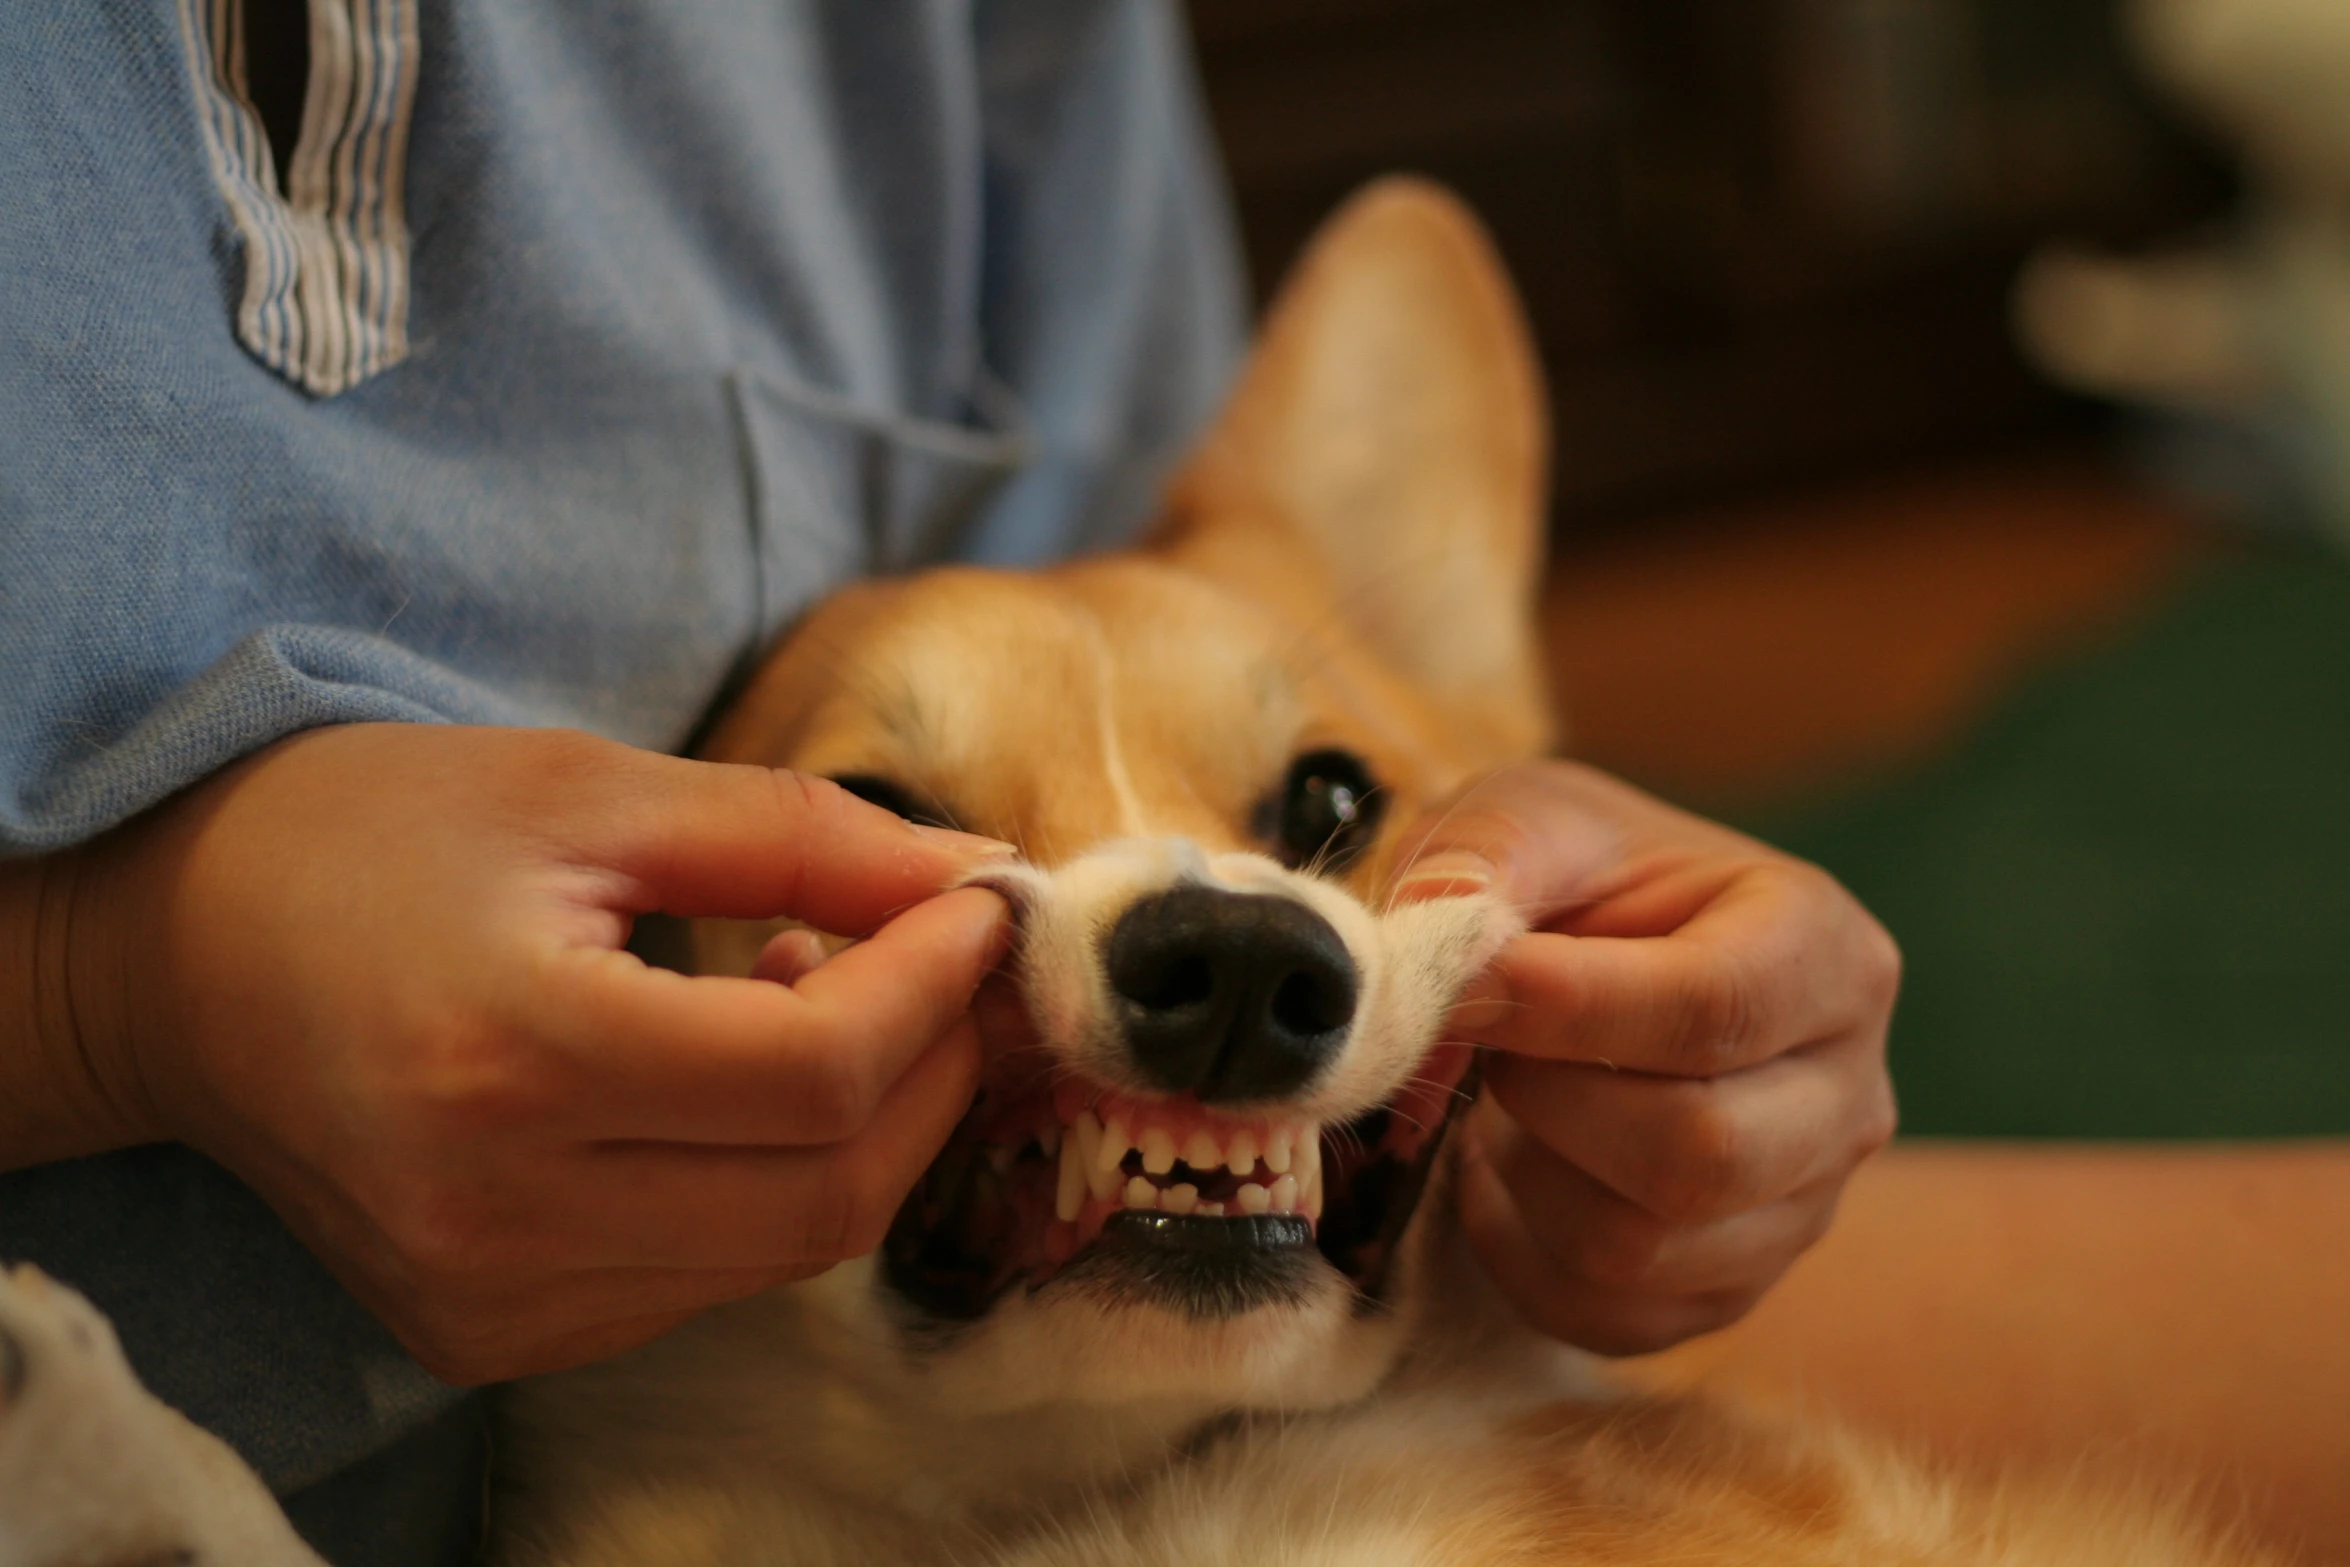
x=1387 y=440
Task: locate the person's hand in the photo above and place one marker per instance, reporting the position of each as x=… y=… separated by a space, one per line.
x=1689 y=1054
x=378 y=971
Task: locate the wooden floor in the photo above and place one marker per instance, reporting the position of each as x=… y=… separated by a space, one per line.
x=1751 y=652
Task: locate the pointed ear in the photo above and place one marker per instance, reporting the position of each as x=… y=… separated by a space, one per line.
x=1389 y=436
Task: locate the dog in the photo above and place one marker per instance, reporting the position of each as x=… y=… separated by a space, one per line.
x=1184 y=1286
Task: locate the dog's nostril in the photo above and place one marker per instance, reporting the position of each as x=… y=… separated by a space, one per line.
x=1234 y=996
x=1311 y=1004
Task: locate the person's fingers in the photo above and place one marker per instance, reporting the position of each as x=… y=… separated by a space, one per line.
x=742 y=842
x=1536 y=835
x=1687 y=1150
x=670 y=1205
x=663 y=1057
x=1601 y=1238
x=1780 y=957
x=788 y=956
x=1567 y=1297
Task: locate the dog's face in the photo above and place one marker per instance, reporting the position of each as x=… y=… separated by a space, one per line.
x=1195 y=1158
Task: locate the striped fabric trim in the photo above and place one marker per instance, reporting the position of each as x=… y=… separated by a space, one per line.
x=326 y=266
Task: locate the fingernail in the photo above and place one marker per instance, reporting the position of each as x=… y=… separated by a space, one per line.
x=1451 y=874
x=966 y=842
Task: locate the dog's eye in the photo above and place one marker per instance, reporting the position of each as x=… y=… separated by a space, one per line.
x=891 y=797
x=1326 y=812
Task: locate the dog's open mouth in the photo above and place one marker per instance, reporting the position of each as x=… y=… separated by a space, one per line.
x=1047 y=1174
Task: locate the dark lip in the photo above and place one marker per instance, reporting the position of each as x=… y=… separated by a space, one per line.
x=1208 y=1269
x=1241 y=1235
x=1366 y=1252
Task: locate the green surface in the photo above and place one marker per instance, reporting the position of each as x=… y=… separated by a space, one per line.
x=2125 y=902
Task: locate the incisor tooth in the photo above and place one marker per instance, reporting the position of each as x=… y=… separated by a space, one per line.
x=1088 y=1137
x=1277 y=1151
x=1240 y=1155
x=1182 y=1197
x=1158 y=1151
x=1141 y=1193
x=1253 y=1198
x=1285 y=1194
x=1071 y=1196
x=1210 y=1210
x=1112 y=1150
x=1201 y=1153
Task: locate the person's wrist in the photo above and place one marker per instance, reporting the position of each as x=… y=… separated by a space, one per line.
x=70 y=1086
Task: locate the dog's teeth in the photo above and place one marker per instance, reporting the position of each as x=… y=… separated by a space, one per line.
x=1141 y=1193
x=1210 y=1210
x=1201 y=1153
x=1308 y=1161
x=1253 y=1198
x=1050 y=1141
x=1309 y=1195
x=1103 y=1183
x=1277 y=1150
x=1240 y=1155
x=1182 y=1197
x=1111 y=1151
x=1284 y=1194
x=1158 y=1151
x=1071 y=1196
x=1088 y=1138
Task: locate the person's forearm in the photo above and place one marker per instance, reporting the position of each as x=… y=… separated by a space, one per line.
x=61 y=1000
x=2178 y=1308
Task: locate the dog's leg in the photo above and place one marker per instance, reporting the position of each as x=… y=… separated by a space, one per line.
x=95 y=1471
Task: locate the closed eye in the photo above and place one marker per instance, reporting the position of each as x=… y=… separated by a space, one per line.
x=895 y=798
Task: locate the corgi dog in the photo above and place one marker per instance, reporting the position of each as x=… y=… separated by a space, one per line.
x=1185 y=1287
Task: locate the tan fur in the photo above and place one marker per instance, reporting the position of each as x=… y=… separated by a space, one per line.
x=1349 y=562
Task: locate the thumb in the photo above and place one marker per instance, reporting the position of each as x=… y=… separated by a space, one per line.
x=1534 y=835
x=743 y=842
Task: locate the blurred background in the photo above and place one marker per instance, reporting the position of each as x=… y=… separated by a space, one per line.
x=2058 y=683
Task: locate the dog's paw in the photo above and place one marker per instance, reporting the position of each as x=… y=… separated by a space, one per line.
x=95 y=1471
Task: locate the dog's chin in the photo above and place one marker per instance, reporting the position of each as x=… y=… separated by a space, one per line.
x=992 y=1220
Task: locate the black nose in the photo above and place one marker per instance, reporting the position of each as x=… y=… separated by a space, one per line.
x=1234 y=995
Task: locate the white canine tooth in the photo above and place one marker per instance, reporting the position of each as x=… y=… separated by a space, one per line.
x=1049 y=1140
x=1141 y=1194
x=1277 y=1150
x=1253 y=1198
x=1201 y=1153
x=1309 y=1196
x=1088 y=1139
x=1284 y=1194
x=1182 y=1197
x=1240 y=1155
x=1112 y=1150
x=1158 y=1151
x=1071 y=1196
x=1308 y=1161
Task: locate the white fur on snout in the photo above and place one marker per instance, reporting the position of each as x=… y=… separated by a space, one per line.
x=1410 y=962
